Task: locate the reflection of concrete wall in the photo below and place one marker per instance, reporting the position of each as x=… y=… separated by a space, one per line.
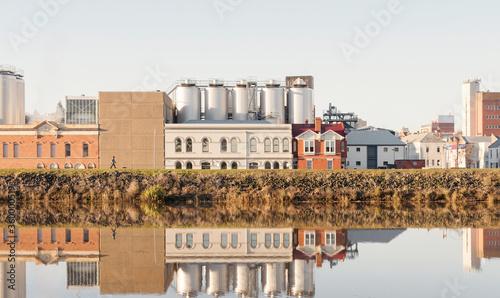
x=20 y=280
x=133 y=262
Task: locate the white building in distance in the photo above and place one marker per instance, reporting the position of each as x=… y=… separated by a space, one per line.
x=426 y=146
x=373 y=149
x=469 y=115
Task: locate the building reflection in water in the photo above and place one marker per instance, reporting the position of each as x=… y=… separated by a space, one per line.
x=479 y=244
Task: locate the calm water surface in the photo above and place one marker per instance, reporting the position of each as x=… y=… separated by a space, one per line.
x=284 y=262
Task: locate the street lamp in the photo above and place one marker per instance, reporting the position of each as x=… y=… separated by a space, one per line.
x=154 y=148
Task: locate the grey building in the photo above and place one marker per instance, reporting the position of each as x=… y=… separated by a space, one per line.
x=373 y=149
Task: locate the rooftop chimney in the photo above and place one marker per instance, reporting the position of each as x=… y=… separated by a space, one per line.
x=317 y=124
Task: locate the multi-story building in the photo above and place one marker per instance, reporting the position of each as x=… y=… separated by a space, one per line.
x=494 y=155
x=428 y=147
x=488 y=113
x=49 y=145
x=470 y=88
x=319 y=146
x=205 y=144
x=373 y=149
x=468 y=152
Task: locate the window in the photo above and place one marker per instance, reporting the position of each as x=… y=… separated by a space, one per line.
x=205 y=145
x=330 y=146
x=330 y=238
x=54 y=166
x=427 y=149
x=438 y=149
x=16 y=150
x=85 y=235
x=276 y=240
x=234 y=240
x=286 y=165
x=396 y=149
x=67 y=149
x=178 y=145
x=253 y=240
x=223 y=165
x=309 y=239
x=40 y=166
x=330 y=164
x=386 y=163
x=223 y=240
x=386 y=149
x=253 y=145
x=189 y=240
x=52 y=150
x=189 y=145
x=91 y=166
x=276 y=165
x=85 y=150
x=267 y=145
x=358 y=163
x=206 y=240
x=286 y=145
x=178 y=165
x=68 y=235
x=205 y=165
x=295 y=146
x=276 y=145
x=268 y=240
x=286 y=240
x=79 y=166
x=234 y=166
x=223 y=145
x=5 y=150
x=39 y=150
x=309 y=146
x=253 y=166
x=53 y=235
x=234 y=145
x=40 y=235
x=342 y=146
x=438 y=162
x=358 y=149
x=178 y=240
x=189 y=165
x=267 y=165
x=309 y=164
x=433 y=162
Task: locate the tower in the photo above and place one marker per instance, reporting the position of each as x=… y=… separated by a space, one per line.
x=469 y=114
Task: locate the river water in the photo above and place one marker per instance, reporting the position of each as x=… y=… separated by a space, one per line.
x=250 y=262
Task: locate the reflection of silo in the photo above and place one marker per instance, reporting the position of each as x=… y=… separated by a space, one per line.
x=240 y=101
x=272 y=102
x=217 y=279
x=300 y=103
x=245 y=280
x=216 y=101
x=189 y=279
x=273 y=279
x=188 y=102
x=301 y=278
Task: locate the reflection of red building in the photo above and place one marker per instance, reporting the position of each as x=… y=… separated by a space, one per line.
x=489 y=240
x=320 y=245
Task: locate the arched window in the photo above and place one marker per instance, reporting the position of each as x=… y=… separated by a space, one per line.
x=189 y=145
x=79 y=166
x=223 y=165
x=276 y=165
x=267 y=145
x=40 y=166
x=286 y=165
x=178 y=165
x=91 y=166
x=67 y=148
x=276 y=145
x=67 y=165
x=85 y=150
x=178 y=145
x=234 y=145
x=286 y=145
x=267 y=165
x=54 y=166
x=16 y=150
x=39 y=152
x=205 y=165
x=253 y=166
x=204 y=143
x=253 y=145
x=189 y=165
x=223 y=145
x=234 y=166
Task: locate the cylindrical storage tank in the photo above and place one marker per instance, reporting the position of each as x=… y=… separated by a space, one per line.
x=272 y=103
x=4 y=96
x=21 y=119
x=188 y=102
x=217 y=279
x=9 y=100
x=273 y=279
x=189 y=279
x=240 y=101
x=301 y=278
x=300 y=103
x=216 y=101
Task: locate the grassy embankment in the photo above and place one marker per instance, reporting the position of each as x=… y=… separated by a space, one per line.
x=368 y=199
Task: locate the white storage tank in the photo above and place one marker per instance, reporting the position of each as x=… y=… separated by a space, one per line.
x=189 y=279
x=188 y=101
x=21 y=109
x=11 y=95
x=300 y=103
x=272 y=102
x=240 y=101
x=216 y=101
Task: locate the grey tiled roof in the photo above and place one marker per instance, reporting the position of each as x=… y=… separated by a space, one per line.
x=373 y=137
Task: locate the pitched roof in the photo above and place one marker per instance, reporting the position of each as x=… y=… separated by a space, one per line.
x=298 y=129
x=495 y=145
x=373 y=137
x=422 y=138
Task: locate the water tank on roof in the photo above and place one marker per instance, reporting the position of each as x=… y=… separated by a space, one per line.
x=216 y=101
x=240 y=101
x=12 y=99
x=188 y=101
x=300 y=103
x=272 y=102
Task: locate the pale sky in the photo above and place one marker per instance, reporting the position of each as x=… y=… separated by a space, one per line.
x=406 y=70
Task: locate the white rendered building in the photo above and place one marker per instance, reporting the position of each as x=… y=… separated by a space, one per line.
x=469 y=114
x=426 y=146
x=204 y=144
x=373 y=149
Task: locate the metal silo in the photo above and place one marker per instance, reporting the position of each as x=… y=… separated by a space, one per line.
x=301 y=278
x=188 y=102
x=20 y=101
x=240 y=101
x=11 y=95
x=300 y=103
x=217 y=279
x=273 y=279
x=272 y=102
x=216 y=101
x=189 y=279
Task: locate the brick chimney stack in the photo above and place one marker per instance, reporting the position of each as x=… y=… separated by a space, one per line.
x=317 y=124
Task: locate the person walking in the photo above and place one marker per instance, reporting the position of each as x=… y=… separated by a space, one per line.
x=113 y=163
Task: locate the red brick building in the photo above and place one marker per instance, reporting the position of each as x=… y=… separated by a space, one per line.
x=49 y=145
x=488 y=113
x=410 y=164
